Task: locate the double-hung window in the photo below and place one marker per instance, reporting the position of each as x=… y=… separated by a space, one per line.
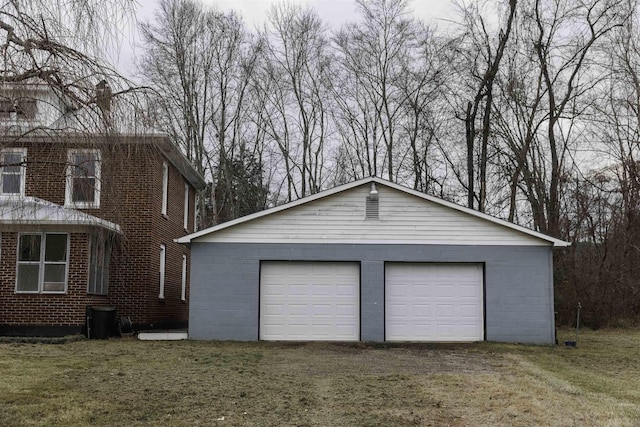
x=42 y=262
x=186 y=206
x=99 y=266
x=163 y=261
x=83 y=179
x=12 y=171
x=18 y=109
x=165 y=187
x=183 y=293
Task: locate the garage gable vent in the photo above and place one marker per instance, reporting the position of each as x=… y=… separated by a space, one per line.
x=372 y=207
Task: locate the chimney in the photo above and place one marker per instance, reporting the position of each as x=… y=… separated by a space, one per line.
x=103 y=96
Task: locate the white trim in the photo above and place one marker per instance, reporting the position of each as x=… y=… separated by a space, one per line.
x=23 y=170
x=163 y=262
x=183 y=294
x=165 y=187
x=68 y=196
x=375 y=242
x=195 y=211
x=555 y=242
x=186 y=206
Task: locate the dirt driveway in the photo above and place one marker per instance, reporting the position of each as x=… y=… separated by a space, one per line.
x=135 y=383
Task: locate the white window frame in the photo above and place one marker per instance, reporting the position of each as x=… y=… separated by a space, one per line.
x=42 y=263
x=195 y=212
x=183 y=294
x=186 y=206
x=68 y=199
x=163 y=262
x=13 y=110
x=165 y=187
x=23 y=170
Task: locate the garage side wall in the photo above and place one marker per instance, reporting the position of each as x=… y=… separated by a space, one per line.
x=225 y=277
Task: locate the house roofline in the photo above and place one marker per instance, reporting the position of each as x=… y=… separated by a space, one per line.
x=160 y=140
x=189 y=238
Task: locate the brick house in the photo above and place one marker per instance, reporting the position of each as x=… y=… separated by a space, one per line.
x=89 y=220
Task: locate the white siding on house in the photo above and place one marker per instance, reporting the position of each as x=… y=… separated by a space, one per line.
x=340 y=218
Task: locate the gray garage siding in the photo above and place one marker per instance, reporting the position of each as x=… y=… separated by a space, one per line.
x=224 y=293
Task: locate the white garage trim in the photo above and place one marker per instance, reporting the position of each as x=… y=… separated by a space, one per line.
x=307 y=301
x=434 y=302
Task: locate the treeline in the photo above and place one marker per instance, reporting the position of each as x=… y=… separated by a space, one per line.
x=526 y=109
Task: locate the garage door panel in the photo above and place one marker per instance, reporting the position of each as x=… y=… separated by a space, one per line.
x=314 y=300
x=469 y=291
x=469 y=311
x=321 y=310
x=277 y=290
x=433 y=302
x=445 y=290
x=444 y=311
x=420 y=290
x=299 y=310
x=346 y=290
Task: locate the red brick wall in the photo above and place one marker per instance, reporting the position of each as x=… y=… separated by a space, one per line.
x=165 y=229
x=46 y=309
x=131 y=196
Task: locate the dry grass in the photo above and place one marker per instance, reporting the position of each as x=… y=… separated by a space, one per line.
x=134 y=383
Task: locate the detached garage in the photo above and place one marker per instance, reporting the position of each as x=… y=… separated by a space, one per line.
x=371 y=261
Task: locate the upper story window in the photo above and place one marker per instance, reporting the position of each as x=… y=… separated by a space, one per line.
x=83 y=179
x=165 y=187
x=18 y=109
x=42 y=262
x=12 y=171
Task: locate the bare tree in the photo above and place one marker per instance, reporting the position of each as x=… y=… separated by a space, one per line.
x=544 y=90
x=422 y=84
x=200 y=61
x=603 y=219
x=295 y=80
x=478 y=51
x=63 y=43
x=562 y=70
x=371 y=53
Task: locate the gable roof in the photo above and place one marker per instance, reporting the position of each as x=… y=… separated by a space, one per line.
x=439 y=207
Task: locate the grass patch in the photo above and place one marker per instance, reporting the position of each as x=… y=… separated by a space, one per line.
x=141 y=383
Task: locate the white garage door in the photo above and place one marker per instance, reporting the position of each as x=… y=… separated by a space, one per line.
x=433 y=302
x=306 y=301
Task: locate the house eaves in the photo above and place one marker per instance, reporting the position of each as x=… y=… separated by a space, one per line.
x=17 y=211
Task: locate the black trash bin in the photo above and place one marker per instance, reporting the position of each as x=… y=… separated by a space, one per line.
x=103 y=322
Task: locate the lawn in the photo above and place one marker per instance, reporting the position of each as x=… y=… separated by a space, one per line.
x=125 y=382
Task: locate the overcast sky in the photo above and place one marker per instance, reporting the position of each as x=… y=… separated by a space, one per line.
x=333 y=12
